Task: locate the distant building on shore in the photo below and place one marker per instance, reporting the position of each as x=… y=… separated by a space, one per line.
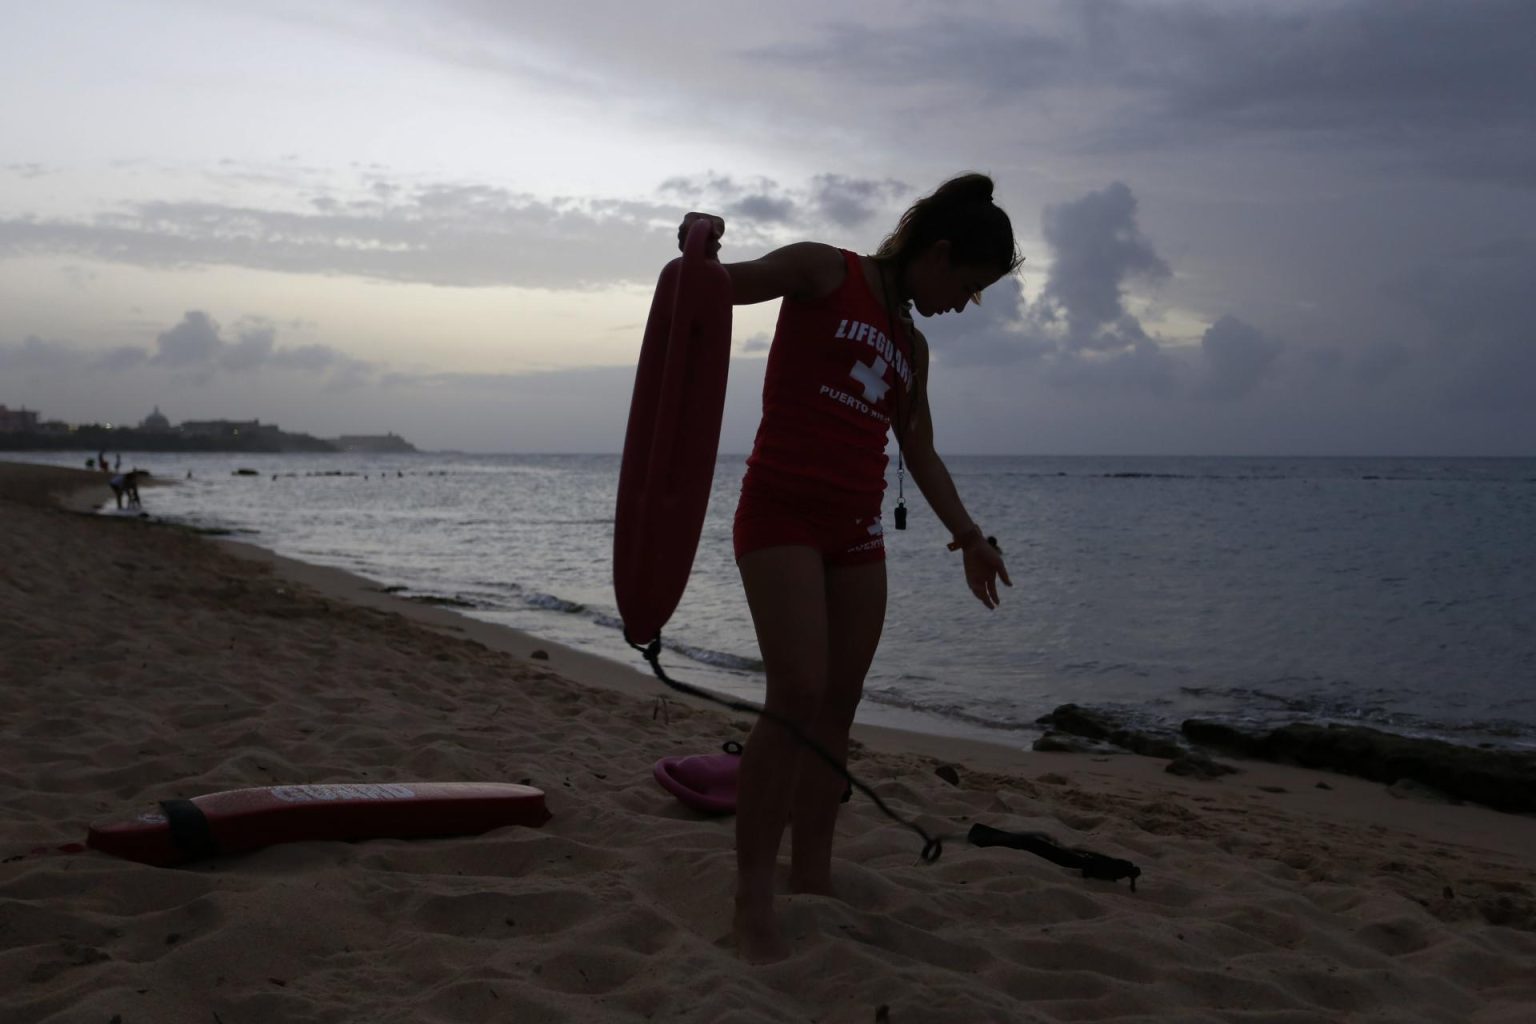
x=20 y=430
x=156 y=423
x=229 y=429
x=17 y=421
x=374 y=443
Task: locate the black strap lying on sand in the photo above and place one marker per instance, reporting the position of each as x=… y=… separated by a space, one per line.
x=933 y=846
x=1092 y=865
x=190 y=830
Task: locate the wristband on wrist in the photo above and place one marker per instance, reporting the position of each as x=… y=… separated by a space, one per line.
x=965 y=538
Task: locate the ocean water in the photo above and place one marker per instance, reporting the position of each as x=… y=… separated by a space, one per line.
x=1397 y=593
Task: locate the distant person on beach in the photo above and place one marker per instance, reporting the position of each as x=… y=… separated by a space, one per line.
x=126 y=485
x=845 y=366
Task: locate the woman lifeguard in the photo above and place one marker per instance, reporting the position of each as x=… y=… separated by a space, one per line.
x=845 y=367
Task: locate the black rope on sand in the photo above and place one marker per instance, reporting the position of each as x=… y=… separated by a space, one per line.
x=1092 y=865
x=933 y=846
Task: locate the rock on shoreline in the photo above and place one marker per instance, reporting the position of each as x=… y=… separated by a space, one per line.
x=1502 y=779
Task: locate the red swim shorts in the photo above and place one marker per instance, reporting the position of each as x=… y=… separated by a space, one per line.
x=767 y=520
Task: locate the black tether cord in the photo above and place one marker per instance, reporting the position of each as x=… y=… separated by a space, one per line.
x=933 y=846
x=1092 y=865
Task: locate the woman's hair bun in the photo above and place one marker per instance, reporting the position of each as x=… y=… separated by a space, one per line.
x=973 y=186
x=961 y=212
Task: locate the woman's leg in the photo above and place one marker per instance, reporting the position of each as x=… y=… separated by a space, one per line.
x=786 y=592
x=855 y=617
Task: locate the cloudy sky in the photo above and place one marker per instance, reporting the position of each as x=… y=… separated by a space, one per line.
x=1301 y=227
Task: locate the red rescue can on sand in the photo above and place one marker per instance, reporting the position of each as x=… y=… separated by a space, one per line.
x=673 y=437
x=239 y=820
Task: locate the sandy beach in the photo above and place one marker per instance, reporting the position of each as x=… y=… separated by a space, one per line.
x=141 y=662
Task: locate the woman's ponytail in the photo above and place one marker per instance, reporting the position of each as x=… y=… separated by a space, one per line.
x=961 y=212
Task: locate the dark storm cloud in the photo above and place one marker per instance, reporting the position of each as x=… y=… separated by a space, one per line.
x=1447 y=86
x=1376 y=363
x=195 y=350
x=753 y=343
x=34 y=354
x=686 y=186
x=1482 y=292
x=530 y=407
x=829 y=200
x=853 y=202
x=447 y=234
x=1141 y=368
x=200 y=344
x=450 y=235
x=253 y=347
x=120 y=359
x=1403 y=72
x=1097 y=247
x=764 y=209
x=1078 y=334
x=956 y=50
x=194 y=342
x=996 y=333
x=1236 y=357
x=1097 y=251
x=754 y=210
x=1481 y=320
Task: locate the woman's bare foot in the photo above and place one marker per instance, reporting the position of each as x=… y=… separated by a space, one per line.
x=758 y=938
x=815 y=885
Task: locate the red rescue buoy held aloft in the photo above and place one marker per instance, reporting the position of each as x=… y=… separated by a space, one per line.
x=673 y=437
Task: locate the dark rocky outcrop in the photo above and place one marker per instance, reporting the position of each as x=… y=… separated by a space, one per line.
x=1196 y=765
x=1095 y=725
x=1061 y=743
x=1502 y=779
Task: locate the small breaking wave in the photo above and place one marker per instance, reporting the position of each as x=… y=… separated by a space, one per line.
x=551 y=603
x=954 y=712
x=715 y=659
x=693 y=652
x=1378 y=708
x=443 y=600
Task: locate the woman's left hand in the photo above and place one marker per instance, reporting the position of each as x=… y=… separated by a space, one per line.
x=983 y=568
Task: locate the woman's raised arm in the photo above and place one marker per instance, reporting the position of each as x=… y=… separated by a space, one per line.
x=801 y=270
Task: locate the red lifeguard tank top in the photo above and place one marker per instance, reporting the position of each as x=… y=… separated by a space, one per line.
x=833 y=373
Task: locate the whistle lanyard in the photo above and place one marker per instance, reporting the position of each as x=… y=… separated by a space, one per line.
x=900 y=409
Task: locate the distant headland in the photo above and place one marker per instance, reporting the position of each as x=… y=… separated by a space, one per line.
x=25 y=430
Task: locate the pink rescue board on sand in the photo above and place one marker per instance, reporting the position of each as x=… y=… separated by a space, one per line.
x=705 y=782
x=239 y=820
